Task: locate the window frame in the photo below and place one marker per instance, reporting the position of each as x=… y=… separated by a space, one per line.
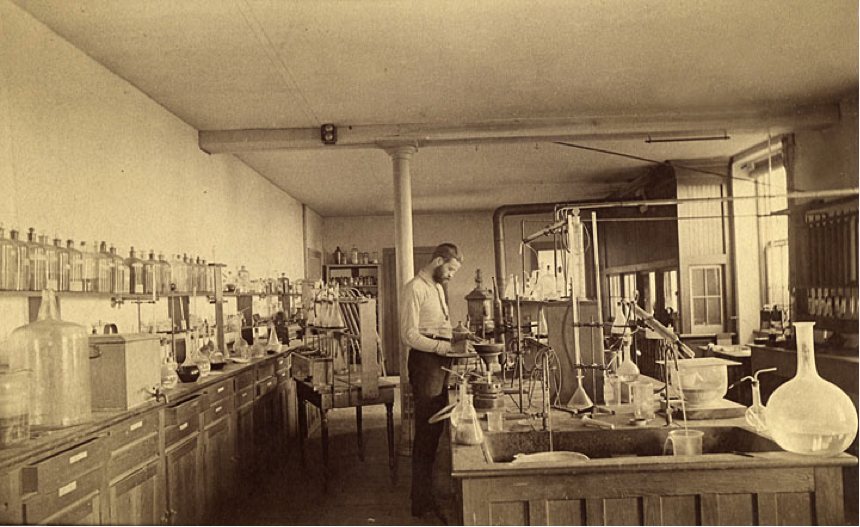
x=707 y=328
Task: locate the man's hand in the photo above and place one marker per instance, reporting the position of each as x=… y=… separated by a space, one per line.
x=471 y=337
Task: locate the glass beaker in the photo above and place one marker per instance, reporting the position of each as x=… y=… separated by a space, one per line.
x=684 y=443
x=642 y=393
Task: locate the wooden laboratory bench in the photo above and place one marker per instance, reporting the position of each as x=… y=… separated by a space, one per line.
x=742 y=478
x=170 y=461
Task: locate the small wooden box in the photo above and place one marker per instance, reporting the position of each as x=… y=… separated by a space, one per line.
x=125 y=370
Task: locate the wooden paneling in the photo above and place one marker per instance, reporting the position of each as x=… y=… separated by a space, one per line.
x=565 y=512
x=134 y=500
x=182 y=484
x=700 y=225
x=795 y=508
x=509 y=513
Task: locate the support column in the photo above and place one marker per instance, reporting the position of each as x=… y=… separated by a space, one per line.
x=401 y=156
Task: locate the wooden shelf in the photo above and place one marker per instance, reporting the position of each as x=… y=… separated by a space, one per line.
x=352 y=266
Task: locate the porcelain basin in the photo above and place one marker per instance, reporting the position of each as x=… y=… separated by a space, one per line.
x=597 y=444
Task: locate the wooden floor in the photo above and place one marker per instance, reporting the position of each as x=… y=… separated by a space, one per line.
x=360 y=493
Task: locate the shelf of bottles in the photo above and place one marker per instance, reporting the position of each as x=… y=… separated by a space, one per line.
x=31 y=263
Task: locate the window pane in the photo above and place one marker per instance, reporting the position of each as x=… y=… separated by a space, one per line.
x=698 y=279
x=699 y=317
x=714 y=312
x=713 y=281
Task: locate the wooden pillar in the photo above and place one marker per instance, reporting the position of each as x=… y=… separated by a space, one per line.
x=401 y=157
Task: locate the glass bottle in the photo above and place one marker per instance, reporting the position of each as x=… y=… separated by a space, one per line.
x=90 y=269
x=807 y=414
x=107 y=270
x=151 y=274
x=353 y=255
x=121 y=274
x=201 y=358
x=38 y=263
x=178 y=277
x=52 y=268
x=136 y=273
x=166 y=277
x=338 y=256
x=244 y=280
x=64 y=266
x=190 y=271
x=14 y=265
x=57 y=355
x=76 y=267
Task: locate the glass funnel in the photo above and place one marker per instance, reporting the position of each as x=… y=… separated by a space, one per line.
x=807 y=414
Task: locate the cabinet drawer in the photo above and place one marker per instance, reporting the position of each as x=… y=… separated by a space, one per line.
x=56 y=471
x=283 y=376
x=132 y=430
x=267 y=369
x=46 y=504
x=244 y=379
x=217 y=411
x=244 y=397
x=179 y=431
x=136 y=454
x=182 y=412
x=265 y=386
x=219 y=391
x=282 y=364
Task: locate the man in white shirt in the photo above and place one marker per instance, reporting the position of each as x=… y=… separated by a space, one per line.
x=425 y=328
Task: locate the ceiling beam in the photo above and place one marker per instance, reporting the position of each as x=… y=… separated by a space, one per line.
x=776 y=121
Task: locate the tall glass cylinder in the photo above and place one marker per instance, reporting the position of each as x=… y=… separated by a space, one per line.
x=136 y=277
x=38 y=262
x=807 y=414
x=62 y=265
x=76 y=267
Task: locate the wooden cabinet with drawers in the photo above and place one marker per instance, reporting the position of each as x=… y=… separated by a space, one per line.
x=171 y=463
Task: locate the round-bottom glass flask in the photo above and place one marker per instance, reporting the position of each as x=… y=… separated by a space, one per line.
x=809 y=415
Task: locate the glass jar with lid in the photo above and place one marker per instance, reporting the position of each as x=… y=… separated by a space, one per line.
x=90 y=268
x=178 y=277
x=76 y=267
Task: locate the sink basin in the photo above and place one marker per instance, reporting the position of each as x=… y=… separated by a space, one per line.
x=597 y=444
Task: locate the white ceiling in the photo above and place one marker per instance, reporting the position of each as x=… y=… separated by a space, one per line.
x=261 y=64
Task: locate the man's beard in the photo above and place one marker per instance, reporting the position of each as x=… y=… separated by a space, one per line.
x=438 y=277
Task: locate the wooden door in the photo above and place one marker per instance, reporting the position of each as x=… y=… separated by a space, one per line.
x=217 y=466
x=245 y=438
x=134 y=500
x=182 y=500
x=390 y=311
x=85 y=513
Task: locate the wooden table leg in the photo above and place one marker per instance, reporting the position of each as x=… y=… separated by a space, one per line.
x=392 y=461
x=324 y=437
x=360 y=433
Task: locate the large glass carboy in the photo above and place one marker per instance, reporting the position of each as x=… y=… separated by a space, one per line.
x=57 y=354
x=807 y=414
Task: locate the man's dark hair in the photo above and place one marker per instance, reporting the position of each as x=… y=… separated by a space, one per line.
x=448 y=252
